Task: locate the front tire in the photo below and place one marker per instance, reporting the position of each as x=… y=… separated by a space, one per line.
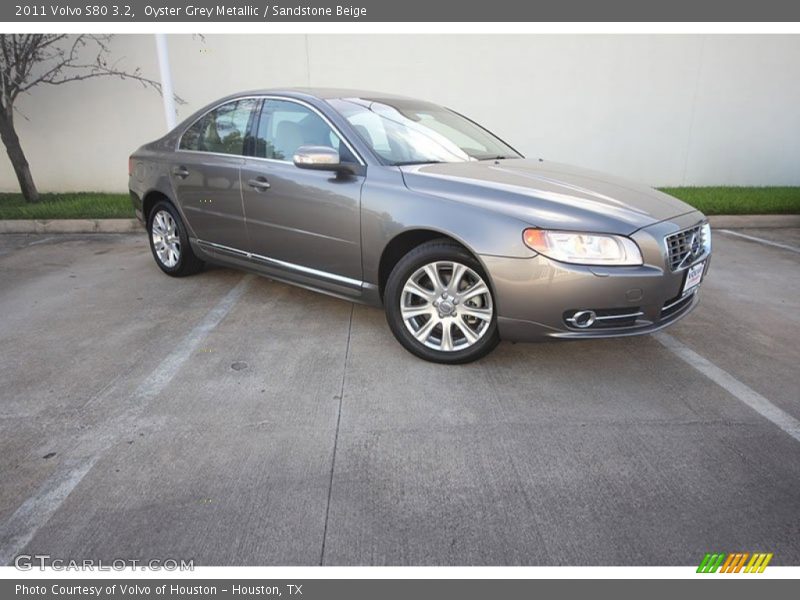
x=169 y=242
x=440 y=306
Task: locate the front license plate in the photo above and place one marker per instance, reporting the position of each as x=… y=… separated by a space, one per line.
x=693 y=276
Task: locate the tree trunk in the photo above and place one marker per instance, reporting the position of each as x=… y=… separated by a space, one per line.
x=15 y=153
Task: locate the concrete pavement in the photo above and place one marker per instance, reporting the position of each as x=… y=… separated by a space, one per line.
x=271 y=425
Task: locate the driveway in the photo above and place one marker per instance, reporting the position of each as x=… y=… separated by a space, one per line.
x=233 y=420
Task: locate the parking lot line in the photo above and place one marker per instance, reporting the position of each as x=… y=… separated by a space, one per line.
x=164 y=373
x=36 y=511
x=729 y=383
x=753 y=238
x=336 y=437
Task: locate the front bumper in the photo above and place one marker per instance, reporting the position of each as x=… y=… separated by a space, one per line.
x=535 y=297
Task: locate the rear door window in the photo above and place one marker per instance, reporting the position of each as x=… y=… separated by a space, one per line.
x=223 y=130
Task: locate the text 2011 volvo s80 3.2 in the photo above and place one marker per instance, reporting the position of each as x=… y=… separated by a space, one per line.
x=396 y=202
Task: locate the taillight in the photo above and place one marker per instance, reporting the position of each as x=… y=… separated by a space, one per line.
x=130 y=166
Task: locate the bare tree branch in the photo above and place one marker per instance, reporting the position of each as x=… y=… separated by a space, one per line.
x=28 y=60
x=32 y=59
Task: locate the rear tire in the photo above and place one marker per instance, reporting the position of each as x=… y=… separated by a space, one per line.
x=440 y=306
x=169 y=242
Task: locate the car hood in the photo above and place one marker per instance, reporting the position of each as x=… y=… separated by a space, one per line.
x=548 y=195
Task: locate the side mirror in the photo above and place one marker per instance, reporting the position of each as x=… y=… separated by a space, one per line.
x=319 y=158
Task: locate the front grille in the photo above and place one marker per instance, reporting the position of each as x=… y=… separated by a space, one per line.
x=685 y=246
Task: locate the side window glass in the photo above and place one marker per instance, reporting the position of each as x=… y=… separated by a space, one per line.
x=285 y=126
x=191 y=137
x=222 y=130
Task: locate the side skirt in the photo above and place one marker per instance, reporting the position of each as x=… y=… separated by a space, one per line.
x=304 y=277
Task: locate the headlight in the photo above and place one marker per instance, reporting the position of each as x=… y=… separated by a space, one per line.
x=705 y=234
x=583 y=248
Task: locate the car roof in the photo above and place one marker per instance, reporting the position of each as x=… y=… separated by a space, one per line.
x=318 y=94
x=323 y=93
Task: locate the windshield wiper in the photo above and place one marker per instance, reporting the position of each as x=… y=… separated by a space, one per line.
x=417 y=162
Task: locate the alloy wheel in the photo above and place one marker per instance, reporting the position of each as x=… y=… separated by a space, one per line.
x=166 y=241
x=446 y=306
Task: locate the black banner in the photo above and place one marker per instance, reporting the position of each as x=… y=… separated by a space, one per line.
x=335 y=589
x=206 y=11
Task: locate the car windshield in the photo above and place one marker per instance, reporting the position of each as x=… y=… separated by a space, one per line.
x=405 y=132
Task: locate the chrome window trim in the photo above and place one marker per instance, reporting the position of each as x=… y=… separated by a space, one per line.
x=284 y=264
x=330 y=124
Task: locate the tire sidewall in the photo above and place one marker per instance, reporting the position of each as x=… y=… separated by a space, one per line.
x=406 y=267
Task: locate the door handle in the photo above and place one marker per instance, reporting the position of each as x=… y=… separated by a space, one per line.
x=181 y=172
x=259 y=183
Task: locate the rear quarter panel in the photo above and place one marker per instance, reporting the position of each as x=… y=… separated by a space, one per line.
x=151 y=173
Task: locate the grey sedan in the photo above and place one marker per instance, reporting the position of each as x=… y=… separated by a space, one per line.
x=408 y=205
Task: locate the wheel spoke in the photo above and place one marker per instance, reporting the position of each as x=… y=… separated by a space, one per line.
x=432 y=271
x=484 y=314
x=458 y=273
x=413 y=287
x=409 y=312
x=470 y=335
x=423 y=332
x=447 y=336
x=476 y=290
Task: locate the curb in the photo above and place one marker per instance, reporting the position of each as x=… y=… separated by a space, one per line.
x=753 y=221
x=133 y=225
x=70 y=226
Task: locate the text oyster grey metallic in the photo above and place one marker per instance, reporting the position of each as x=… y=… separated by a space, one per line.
x=391 y=201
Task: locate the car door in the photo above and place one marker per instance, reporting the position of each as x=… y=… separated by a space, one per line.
x=300 y=219
x=205 y=172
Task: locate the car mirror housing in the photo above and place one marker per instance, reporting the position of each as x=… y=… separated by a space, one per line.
x=319 y=158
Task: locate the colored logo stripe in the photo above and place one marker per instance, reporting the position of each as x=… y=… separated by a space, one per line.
x=710 y=563
x=758 y=563
x=734 y=562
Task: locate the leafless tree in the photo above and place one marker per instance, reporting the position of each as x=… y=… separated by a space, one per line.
x=30 y=60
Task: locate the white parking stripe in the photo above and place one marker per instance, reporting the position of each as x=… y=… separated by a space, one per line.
x=732 y=385
x=36 y=511
x=42 y=241
x=753 y=238
x=159 y=378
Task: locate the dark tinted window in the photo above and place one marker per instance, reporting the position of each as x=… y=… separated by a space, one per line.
x=285 y=126
x=222 y=130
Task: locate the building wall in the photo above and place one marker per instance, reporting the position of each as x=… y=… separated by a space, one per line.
x=665 y=110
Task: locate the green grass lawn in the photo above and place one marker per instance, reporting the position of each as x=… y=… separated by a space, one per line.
x=740 y=200
x=80 y=205
x=710 y=200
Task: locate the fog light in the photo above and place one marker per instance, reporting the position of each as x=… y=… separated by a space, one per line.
x=583 y=319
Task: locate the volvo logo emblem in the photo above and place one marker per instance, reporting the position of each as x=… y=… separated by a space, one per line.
x=695 y=245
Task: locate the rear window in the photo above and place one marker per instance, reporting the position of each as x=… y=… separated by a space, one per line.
x=222 y=130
